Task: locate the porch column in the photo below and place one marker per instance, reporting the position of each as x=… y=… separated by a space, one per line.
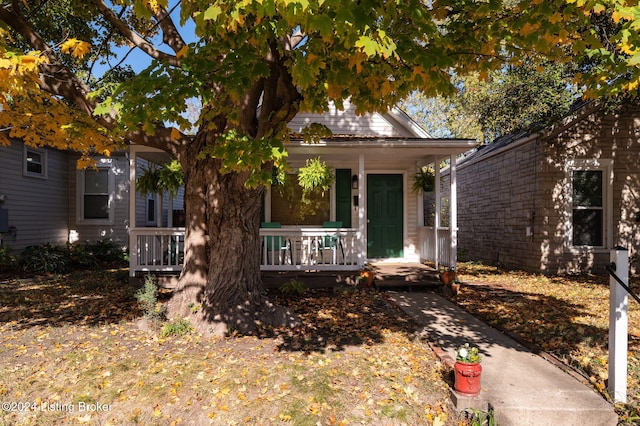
x=420 y=202
x=133 y=244
x=436 y=219
x=453 y=221
x=362 y=215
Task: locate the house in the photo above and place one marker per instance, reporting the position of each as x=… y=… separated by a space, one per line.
x=555 y=200
x=45 y=199
x=370 y=213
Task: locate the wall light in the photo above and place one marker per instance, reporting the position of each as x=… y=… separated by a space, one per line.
x=354 y=182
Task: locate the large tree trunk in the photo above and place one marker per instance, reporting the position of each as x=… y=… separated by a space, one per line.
x=220 y=289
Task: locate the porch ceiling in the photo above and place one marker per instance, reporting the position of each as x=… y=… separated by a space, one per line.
x=423 y=151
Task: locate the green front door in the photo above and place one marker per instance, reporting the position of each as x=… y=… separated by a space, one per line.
x=384 y=216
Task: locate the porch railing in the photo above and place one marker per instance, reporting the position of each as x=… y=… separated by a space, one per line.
x=282 y=249
x=427 y=240
x=156 y=250
x=286 y=249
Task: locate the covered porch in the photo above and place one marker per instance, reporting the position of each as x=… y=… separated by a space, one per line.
x=372 y=215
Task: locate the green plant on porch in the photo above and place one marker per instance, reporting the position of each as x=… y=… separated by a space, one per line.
x=157 y=180
x=424 y=180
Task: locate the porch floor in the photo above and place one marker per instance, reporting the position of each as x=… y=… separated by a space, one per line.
x=396 y=275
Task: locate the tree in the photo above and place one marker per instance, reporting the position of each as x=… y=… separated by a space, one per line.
x=514 y=98
x=253 y=64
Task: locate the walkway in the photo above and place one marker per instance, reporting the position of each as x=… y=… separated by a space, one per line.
x=522 y=388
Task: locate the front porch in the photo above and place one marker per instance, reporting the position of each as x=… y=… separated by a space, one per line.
x=374 y=211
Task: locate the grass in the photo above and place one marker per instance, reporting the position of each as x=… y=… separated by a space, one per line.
x=72 y=354
x=566 y=316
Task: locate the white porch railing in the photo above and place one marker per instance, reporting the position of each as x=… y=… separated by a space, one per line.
x=282 y=249
x=286 y=249
x=156 y=250
x=427 y=241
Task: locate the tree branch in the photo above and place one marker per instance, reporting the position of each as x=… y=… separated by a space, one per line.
x=55 y=77
x=170 y=35
x=133 y=37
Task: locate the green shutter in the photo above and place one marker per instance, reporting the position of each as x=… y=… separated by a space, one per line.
x=343 y=197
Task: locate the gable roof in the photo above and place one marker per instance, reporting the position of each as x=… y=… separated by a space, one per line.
x=394 y=124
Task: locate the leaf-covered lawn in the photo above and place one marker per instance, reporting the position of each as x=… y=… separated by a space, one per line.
x=566 y=316
x=72 y=353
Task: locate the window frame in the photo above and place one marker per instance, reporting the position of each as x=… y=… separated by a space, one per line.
x=43 y=162
x=104 y=164
x=606 y=167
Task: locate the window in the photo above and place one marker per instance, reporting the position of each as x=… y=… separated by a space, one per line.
x=289 y=208
x=95 y=187
x=590 y=207
x=35 y=162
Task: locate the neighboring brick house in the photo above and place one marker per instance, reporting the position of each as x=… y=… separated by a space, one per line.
x=556 y=200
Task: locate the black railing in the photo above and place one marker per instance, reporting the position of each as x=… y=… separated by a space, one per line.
x=611 y=269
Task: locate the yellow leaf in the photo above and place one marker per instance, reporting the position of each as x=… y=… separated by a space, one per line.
x=175 y=134
x=182 y=52
x=77 y=48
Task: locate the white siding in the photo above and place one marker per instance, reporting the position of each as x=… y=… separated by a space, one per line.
x=348 y=123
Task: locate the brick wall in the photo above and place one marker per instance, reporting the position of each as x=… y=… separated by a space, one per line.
x=525 y=185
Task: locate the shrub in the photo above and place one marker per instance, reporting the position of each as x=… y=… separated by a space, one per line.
x=293 y=286
x=147 y=297
x=45 y=258
x=107 y=251
x=177 y=328
x=7 y=260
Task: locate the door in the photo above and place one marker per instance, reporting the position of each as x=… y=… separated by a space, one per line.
x=384 y=216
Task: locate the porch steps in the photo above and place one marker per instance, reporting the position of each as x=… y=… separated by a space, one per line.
x=388 y=275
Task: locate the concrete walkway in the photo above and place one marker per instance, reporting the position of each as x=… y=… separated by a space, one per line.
x=522 y=388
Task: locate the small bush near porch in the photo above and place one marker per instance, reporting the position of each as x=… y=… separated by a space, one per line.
x=71 y=341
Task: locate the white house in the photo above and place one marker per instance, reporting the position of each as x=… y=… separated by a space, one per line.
x=370 y=214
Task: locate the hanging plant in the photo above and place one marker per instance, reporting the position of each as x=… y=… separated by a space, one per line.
x=424 y=180
x=315 y=175
x=154 y=180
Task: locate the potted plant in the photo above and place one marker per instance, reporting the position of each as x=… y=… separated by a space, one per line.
x=366 y=277
x=467 y=370
x=447 y=275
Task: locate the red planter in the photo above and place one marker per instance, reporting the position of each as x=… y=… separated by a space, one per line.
x=467 y=380
x=447 y=277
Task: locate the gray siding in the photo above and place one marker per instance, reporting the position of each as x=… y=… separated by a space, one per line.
x=116 y=231
x=37 y=207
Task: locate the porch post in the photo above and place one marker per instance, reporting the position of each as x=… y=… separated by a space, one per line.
x=420 y=206
x=453 y=222
x=133 y=244
x=362 y=215
x=436 y=220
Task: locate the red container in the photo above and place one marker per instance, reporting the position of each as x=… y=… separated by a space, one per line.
x=467 y=381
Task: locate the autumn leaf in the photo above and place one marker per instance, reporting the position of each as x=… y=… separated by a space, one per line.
x=77 y=48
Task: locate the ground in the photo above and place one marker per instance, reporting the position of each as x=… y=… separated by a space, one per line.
x=73 y=354
x=564 y=316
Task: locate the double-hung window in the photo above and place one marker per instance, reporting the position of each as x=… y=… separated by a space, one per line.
x=95 y=189
x=35 y=162
x=590 y=207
